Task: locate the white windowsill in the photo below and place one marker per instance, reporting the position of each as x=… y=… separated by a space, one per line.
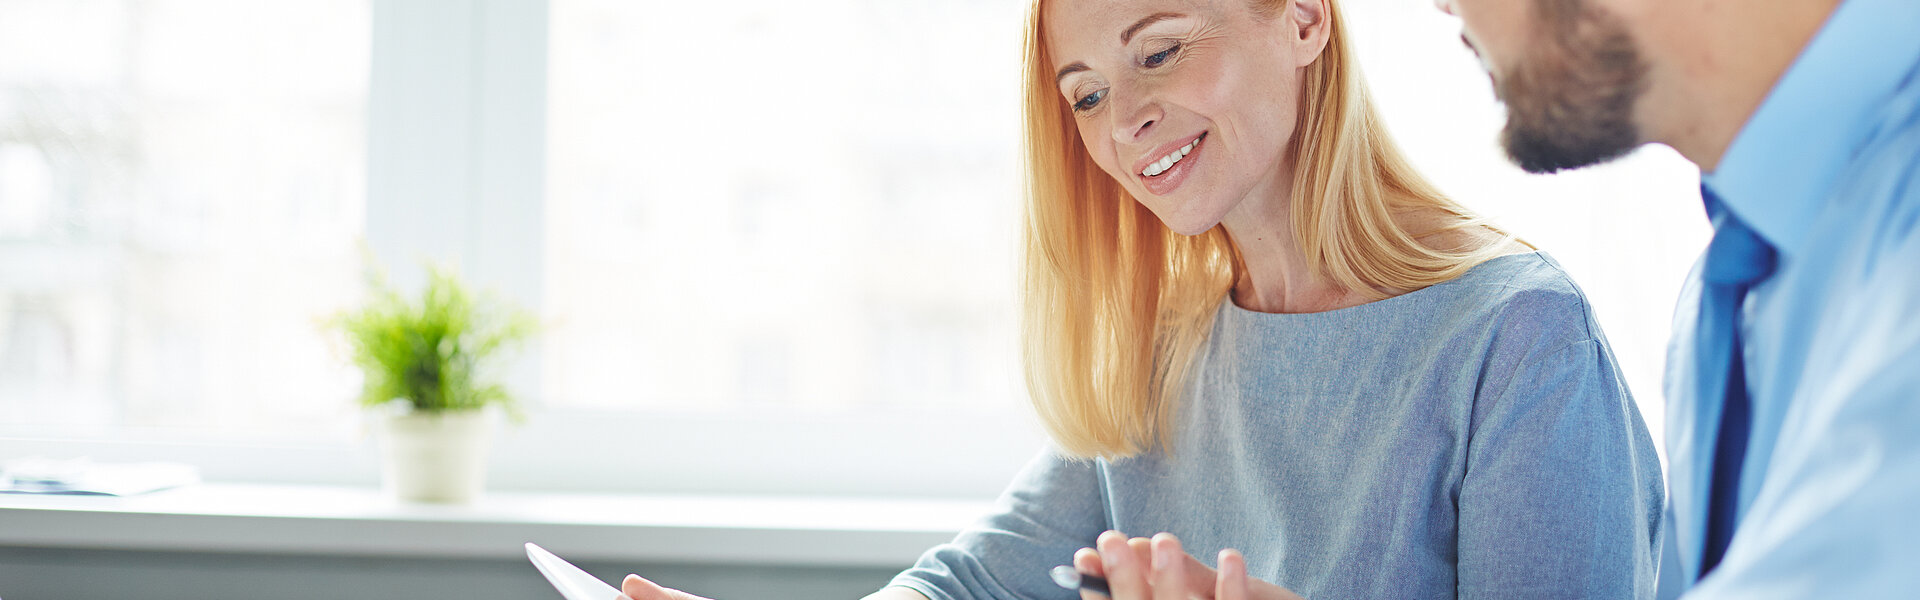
x=611 y=527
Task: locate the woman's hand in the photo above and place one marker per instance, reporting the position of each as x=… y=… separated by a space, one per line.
x=1159 y=569
x=636 y=587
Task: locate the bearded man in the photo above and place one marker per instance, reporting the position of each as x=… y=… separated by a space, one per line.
x=1793 y=391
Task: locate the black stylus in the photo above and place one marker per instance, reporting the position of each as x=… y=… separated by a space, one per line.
x=1072 y=579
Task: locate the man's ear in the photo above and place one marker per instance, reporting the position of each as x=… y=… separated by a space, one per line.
x=1310 y=25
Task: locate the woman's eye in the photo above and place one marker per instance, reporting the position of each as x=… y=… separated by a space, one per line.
x=1088 y=101
x=1157 y=58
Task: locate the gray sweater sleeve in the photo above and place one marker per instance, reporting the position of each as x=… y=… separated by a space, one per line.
x=1562 y=494
x=1053 y=508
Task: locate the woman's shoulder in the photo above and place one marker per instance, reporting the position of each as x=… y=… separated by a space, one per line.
x=1524 y=297
x=1525 y=294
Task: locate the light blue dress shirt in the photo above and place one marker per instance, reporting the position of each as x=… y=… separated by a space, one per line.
x=1827 y=171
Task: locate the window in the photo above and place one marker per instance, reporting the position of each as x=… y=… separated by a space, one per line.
x=775 y=242
x=181 y=190
x=778 y=204
x=780 y=244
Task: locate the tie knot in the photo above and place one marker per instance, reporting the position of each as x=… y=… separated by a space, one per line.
x=1737 y=255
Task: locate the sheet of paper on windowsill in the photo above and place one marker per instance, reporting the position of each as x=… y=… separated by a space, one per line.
x=84 y=477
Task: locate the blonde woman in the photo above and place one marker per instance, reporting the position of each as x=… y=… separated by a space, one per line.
x=1251 y=325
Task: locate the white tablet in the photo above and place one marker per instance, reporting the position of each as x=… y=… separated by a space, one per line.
x=573 y=583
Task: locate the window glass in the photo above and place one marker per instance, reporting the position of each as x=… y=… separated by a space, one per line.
x=794 y=204
x=181 y=191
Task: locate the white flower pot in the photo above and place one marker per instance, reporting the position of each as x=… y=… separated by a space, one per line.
x=435 y=457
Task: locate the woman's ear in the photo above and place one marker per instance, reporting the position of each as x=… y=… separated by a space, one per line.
x=1309 y=25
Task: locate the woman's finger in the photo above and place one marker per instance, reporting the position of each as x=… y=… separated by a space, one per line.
x=1126 y=572
x=1199 y=576
x=1230 y=582
x=636 y=587
x=1142 y=548
x=1087 y=562
x=1169 y=569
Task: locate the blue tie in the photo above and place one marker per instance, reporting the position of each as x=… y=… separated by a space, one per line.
x=1736 y=259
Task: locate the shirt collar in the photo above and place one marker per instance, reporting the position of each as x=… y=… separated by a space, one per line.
x=1778 y=171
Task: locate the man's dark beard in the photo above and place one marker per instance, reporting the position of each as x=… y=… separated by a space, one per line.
x=1571 y=104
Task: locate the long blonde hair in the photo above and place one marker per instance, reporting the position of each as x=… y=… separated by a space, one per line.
x=1117 y=307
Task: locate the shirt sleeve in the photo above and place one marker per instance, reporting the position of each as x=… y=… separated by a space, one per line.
x=1835 y=517
x=1562 y=494
x=1053 y=508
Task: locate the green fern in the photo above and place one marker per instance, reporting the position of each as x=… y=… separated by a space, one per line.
x=431 y=353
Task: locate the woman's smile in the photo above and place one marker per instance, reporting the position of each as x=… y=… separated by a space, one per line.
x=1148 y=83
x=1163 y=174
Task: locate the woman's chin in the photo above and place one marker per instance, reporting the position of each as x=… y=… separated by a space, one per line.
x=1187 y=215
x=1190 y=226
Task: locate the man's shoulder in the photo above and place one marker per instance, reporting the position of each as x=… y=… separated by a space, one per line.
x=1877 y=208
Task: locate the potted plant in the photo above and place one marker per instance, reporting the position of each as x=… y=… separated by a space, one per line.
x=426 y=364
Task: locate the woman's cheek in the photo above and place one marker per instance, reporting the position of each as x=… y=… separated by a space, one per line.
x=1090 y=140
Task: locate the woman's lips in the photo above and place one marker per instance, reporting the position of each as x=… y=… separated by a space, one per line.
x=1163 y=182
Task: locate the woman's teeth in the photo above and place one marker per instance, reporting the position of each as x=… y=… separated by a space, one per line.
x=1166 y=162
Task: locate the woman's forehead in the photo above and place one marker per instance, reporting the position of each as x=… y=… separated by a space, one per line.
x=1101 y=23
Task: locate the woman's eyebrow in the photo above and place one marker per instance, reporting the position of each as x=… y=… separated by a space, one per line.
x=1069 y=70
x=1126 y=35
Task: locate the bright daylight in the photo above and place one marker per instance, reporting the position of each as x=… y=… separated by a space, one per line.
x=957 y=299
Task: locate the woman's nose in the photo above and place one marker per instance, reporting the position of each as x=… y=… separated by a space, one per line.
x=1445 y=6
x=1134 y=121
